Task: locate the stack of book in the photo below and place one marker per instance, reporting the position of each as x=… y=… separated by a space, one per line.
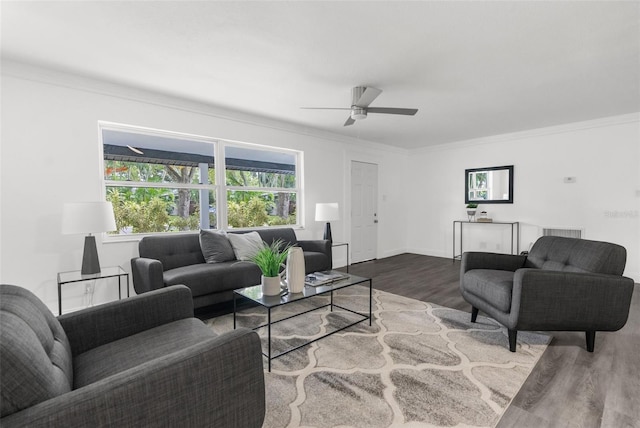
x=325 y=277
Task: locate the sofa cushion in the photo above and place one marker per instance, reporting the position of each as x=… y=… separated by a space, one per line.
x=172 y=250
x=208 y=278
x=132 y=351
x=245 y=245
x=285 y=234
x=493 y=286
x=215 y=246
x=36 y=356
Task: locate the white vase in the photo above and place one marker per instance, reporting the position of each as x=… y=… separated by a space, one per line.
x=270 y=285
x=295 y=270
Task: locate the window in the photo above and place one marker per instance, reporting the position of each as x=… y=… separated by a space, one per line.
x=260 y=187
x=166 y=182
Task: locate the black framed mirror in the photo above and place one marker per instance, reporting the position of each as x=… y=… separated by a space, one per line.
x=491 y=185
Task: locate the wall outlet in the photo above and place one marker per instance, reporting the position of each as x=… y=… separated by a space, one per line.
x=483 y=245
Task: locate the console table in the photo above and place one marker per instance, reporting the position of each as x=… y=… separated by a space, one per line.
x=515 y=232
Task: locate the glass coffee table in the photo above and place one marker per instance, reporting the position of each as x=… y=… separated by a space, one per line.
x=254 y=294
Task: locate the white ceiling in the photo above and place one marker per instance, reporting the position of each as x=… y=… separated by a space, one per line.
x=474 y=69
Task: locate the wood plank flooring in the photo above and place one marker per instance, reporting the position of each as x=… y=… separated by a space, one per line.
x=569 y=387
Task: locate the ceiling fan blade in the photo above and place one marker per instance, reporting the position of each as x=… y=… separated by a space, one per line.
x=349 y=121
x=366 y=96
x=392 y=110
x=325 y=108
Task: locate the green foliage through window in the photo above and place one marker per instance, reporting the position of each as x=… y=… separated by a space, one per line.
x=165 y=194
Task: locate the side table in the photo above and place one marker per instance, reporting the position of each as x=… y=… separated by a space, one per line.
x=106 y=272
x=339 y=244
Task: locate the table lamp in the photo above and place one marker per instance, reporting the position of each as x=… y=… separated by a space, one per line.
x=327 y=212
x=88 y=217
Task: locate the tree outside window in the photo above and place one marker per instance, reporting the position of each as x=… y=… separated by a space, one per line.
x=164 y=183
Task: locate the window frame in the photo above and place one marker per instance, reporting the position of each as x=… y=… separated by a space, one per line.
x=219 y=188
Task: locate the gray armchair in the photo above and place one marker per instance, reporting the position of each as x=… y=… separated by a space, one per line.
x=563 y=284
x=142 y=361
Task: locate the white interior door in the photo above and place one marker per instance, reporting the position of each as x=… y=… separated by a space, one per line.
x=364 y=211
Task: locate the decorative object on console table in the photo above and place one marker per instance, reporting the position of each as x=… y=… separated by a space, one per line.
x=295 y=270
x=483 y=218
x=327 y=212
x=88 y=217
x=270 y=260
x=471 y=210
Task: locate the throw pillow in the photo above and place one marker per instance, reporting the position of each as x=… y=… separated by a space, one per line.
x=215 y=246
x=245 y=245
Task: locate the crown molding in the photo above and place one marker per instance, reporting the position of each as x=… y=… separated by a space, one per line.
x=537 y=132
x=71 y=80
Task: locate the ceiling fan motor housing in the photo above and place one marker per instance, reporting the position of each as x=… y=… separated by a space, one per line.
x=358 y=113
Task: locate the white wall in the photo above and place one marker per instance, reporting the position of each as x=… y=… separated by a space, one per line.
x=50 y=155
x=603 y=155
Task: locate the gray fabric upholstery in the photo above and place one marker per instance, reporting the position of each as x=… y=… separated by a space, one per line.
x=214 y=278
x=215 y=246
x=171 y=370
x=491 y=285
x=120 y=355
x=93 y=327
x=34 y=350
x=172 y=250
x=564 y=284
x=160 y=264
x=287 y=235
x=577 y=255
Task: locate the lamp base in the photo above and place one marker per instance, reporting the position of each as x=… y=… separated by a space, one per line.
x=327 y=232
x=90 y=262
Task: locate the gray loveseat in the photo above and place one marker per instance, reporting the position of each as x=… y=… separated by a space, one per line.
x=142 y=361
x=563 y=284
x=177 y=259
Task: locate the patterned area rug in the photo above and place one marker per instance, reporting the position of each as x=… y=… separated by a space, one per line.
x=418 y=365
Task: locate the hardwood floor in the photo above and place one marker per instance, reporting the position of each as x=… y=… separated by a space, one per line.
x=569 y=386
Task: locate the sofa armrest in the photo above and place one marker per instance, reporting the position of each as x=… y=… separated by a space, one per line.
x=494 y=261
x=95 y=326
x=216 y=383
x=147 y=274
x=318 y=245
x=550 y=300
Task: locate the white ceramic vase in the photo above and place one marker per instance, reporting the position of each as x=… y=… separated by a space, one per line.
x=295 y=270
x=270 y=285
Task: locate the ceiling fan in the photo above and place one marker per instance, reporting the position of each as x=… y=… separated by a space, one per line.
x=361 y=97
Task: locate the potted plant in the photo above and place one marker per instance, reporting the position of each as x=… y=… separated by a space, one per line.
x=270 y=259
x=471 y=210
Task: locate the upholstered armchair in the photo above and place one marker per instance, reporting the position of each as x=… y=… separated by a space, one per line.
x=563 y=284
x=142 y=361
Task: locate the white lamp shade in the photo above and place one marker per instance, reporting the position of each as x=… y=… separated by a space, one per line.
x=87 y=217
x=327 y=212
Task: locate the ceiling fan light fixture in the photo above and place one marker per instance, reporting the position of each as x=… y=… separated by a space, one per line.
x=358 y=113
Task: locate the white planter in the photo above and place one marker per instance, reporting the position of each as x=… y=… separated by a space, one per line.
x=295 y=270
x=270 y=285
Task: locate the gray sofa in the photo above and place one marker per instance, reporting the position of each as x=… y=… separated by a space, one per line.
x=142 y=361
x=563 y=284
x=177 y=259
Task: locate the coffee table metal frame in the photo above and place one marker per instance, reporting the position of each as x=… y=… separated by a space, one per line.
x=254 y=294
